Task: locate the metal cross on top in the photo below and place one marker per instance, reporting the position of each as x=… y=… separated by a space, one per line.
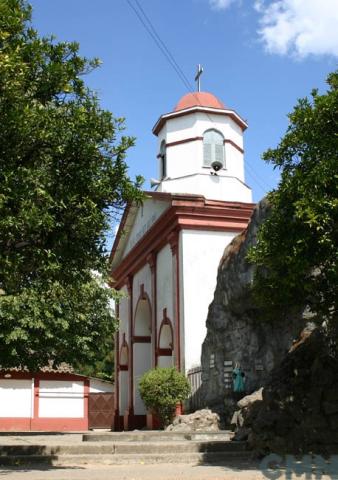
x=197 y=77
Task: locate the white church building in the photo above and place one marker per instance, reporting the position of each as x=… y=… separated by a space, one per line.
x=167 y=251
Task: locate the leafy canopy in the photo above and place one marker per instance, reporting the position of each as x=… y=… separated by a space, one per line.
x=297 y=245
x=162 y=389
x=63 y=178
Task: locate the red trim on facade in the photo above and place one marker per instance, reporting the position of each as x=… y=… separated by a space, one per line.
x=123 y=368
x=47 y=424
x=152 y=261
x=117 y=379
x=234 y=145
x=130 y=412
x=173 y=240
x=86 y=402
x=185 y=140
x=194 y=139
x=186 y=212
x=143 y=296
x=165 y=321
x=124 y=345
x=164 y=352
x=36 y=399
x=141 y=339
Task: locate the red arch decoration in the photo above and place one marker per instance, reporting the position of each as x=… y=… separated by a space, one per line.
x=124 y=345
x=142 y=297
x=163 y=352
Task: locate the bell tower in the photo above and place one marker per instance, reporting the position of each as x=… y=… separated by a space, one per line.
x=200 y=149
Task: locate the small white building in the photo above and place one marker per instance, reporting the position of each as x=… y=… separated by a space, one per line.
x=52 y=400
x=166 y=253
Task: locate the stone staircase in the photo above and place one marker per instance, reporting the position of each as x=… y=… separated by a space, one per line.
x=129 y=448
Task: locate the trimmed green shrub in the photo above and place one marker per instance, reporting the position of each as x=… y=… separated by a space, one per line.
x=161 y=390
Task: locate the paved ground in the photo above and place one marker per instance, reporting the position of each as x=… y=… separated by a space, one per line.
x=145 y=472
x=39 y=439
x=132 y=472
x=234 y=469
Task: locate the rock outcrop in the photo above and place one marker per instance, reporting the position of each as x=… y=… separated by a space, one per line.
x=235 y=332
x=298 y=410
x=199 y=421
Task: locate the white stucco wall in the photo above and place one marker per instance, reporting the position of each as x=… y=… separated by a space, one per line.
x=186 y=158
x=201 y=253
x=220 y=187
x=142 y=363
x=164 y=362
x=164 y=284
x=146 y=216
x=16 y=398
x=123 y=392
x=61 y=399
x=99 y=386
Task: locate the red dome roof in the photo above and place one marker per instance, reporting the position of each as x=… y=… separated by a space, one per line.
x=199 y=99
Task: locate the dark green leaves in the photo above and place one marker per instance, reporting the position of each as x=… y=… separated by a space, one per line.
x=63 y=176
x=298 y=245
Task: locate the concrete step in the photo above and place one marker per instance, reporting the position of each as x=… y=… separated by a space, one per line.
x=124 y=448
x=157 y=436
x=126 y=459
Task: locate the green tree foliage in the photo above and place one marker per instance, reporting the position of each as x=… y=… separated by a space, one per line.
x=63 y=177
x=162 y=389
x=296 y=251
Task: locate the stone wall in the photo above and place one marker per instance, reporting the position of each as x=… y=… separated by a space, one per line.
x=298 y=412
x=235 y=331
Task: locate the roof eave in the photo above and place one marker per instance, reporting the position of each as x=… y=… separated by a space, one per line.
x=228 y=112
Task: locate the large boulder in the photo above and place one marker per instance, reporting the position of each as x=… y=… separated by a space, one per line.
x=298 y=409
x=199 y=421
x=235 y=330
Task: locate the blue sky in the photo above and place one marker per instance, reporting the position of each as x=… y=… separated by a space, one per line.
x=258 y=56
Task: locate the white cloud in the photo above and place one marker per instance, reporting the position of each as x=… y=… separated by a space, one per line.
x=220 y=4
x=299 y=27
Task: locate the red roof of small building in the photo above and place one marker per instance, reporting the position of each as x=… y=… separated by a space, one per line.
x=199 y=99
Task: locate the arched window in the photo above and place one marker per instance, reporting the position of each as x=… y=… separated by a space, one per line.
x=213 y=147
x=163 y=160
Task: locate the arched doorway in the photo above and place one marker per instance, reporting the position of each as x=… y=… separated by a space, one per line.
x=141 y=352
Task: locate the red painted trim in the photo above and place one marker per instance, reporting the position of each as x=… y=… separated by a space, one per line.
x=123 y=368
x=185 y=212
x=234 y=145
x=47 y=424
x=10 y=424
x=208 y=110
x=141 y=339
x=36 y=398
x=185 y=140
x=86 y=402
x=60 y=424
x=132 y=422
x=131 y=359
x=165 y=321
x=178 y=311
x=143 y=296
x=164 y=352
x=194 y=139
x=152 y=261
x=124 y=345
x=173 y=240
x=116 y=369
